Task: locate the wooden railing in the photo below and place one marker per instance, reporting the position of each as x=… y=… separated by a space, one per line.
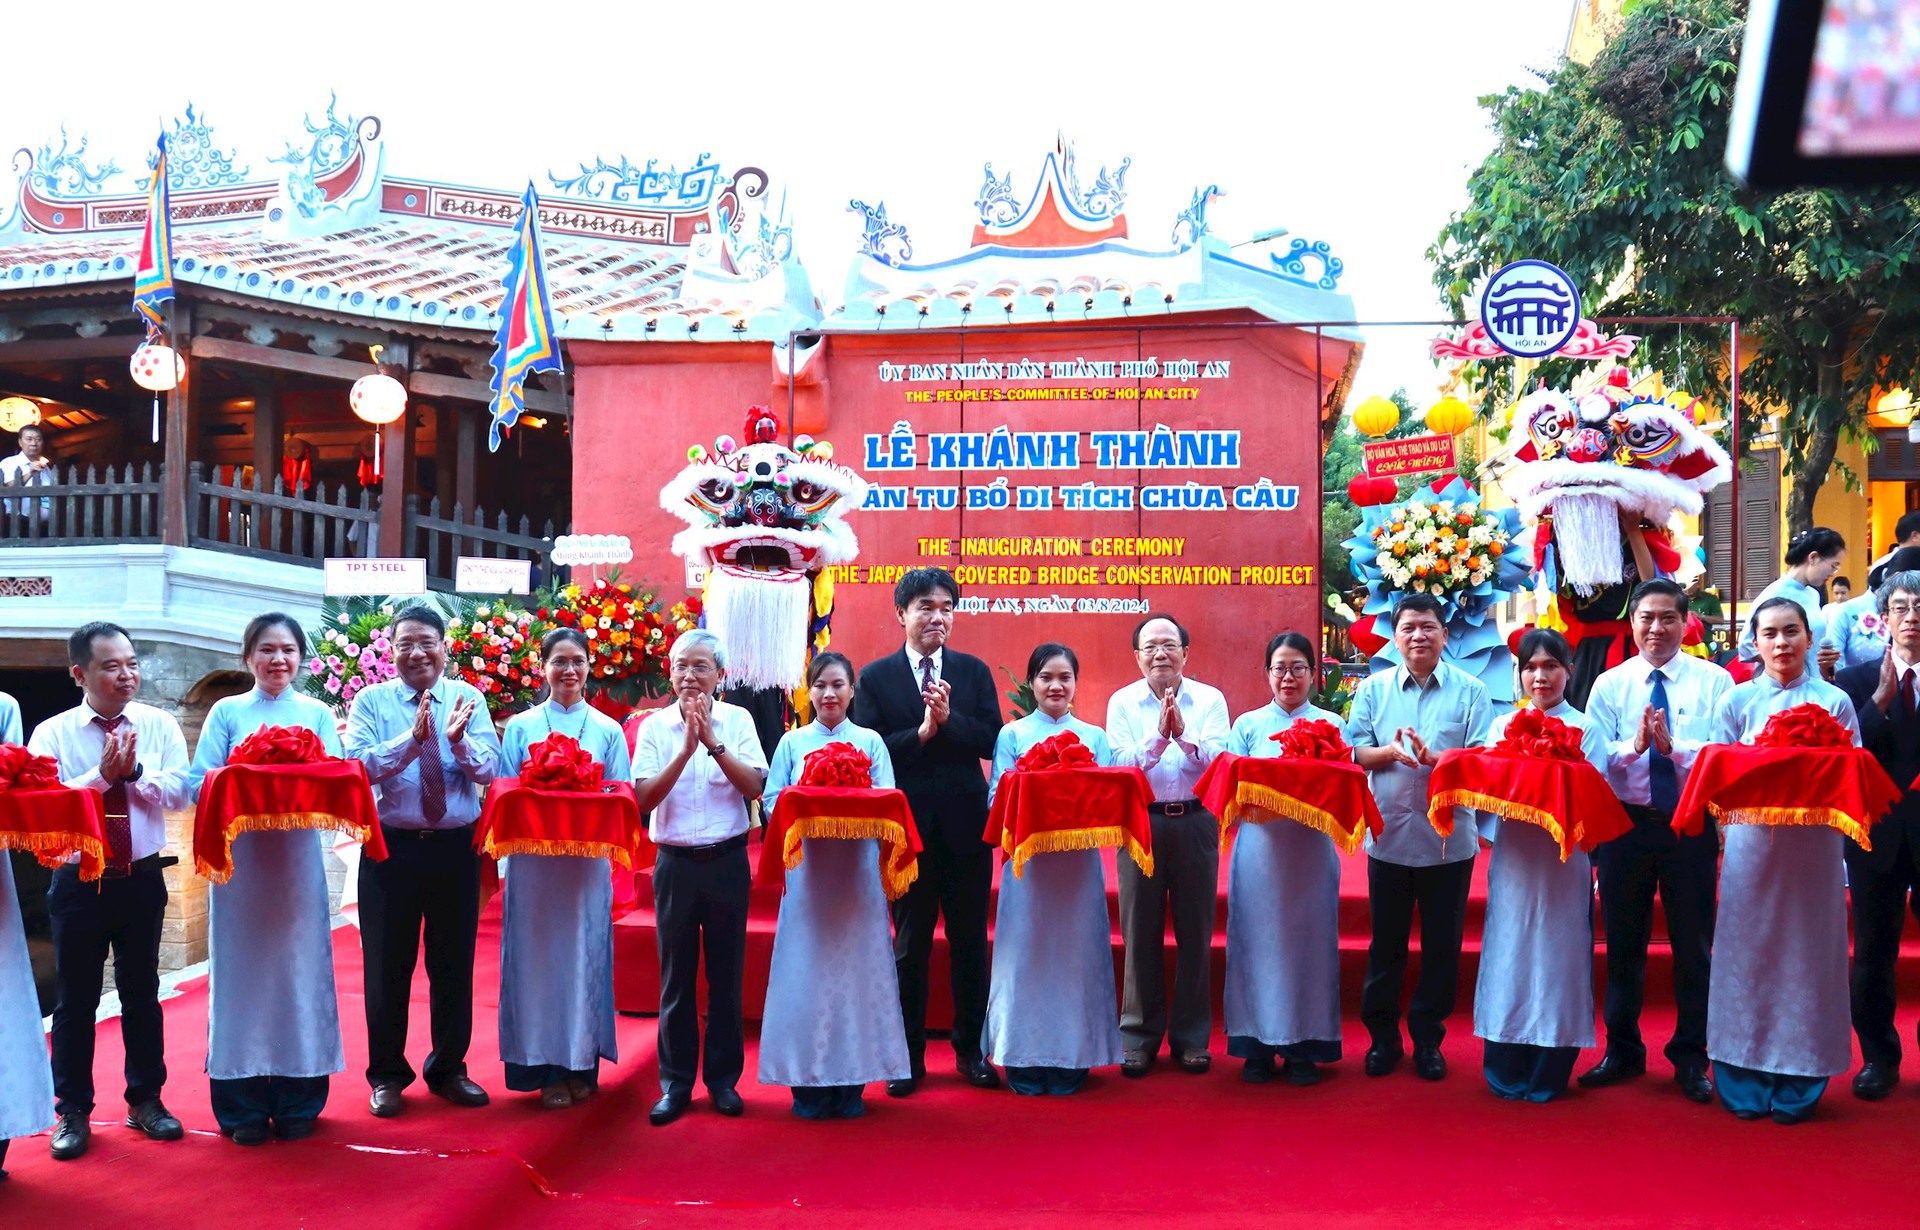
x=442 y=540
x=302 y=528
x=95 y=507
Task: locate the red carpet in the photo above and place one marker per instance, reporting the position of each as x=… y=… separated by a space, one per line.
x=1171 y=1148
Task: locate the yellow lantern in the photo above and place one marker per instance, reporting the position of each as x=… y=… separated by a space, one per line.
x=17 y=413
x=1376 y=416
x=1449 y=416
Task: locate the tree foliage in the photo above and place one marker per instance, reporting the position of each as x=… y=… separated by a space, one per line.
x=1613 y=172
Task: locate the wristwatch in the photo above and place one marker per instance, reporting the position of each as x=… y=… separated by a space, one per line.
x=717 y=750
x=134 y=776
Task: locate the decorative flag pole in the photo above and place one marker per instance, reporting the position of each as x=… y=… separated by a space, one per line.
x=525 y=342
x=153 y=281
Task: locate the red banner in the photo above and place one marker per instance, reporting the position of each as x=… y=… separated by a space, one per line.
x=1410 y=455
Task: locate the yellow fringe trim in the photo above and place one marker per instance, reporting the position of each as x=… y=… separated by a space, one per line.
x=1106 y=837
x=1254 y=803
x=52 y=848
x=887 y=832
x=1825 y=817
x=566 y=849
x=1442 y=804
x=283 y=822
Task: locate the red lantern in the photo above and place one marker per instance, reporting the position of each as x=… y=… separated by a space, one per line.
x=1365 y=490
x=1365 y=635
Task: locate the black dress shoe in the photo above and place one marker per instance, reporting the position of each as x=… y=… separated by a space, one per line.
x=1696 y=1085
x=728 y=1102
x=70 y=1136
x=1136 y=1063
x=1784 y=1119
x=249 y=1134
x=1748 y=1115
x=460 y=1091
x=1382 y=1060
x=671 y=1106
x=1429 y=1064
x=1875 y=1081
x=1611 y=1070
x=293 y=1129
x=977 y=1071
x=1301 y=1072
x=385 y=1102
x=903 y=1088
x=153 y=1119
x=1258 y=1069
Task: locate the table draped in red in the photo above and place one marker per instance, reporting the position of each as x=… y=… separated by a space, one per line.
x=847 y=813
x=1839 y=787
x=1046 y=810
x=1328 y=795
x=243 y=798
x=603 y=822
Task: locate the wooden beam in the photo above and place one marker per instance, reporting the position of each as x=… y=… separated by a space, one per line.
x=112 y=405
x=269 y=430
x=445 y=458
x=396 y=482
x=180 y=439
x=220 y=350
x=433 y=384
x=61 y=349
x=466 y=462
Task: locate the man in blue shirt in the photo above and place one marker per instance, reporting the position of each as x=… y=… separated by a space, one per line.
x=1401 y=720
x=430 y=748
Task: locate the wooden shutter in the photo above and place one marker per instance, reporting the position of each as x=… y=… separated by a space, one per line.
x=1757 y=531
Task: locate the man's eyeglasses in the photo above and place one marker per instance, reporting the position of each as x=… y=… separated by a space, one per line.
x=1153 y=647
x=1898 y=610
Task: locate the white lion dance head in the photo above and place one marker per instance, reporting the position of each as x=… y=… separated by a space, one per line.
x=765 y=519
x=1588 y=461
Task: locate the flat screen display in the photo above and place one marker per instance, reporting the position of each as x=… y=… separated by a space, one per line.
x=1863 y=93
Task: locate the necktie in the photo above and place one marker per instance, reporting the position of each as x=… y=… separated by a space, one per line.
x=1906 y=694
x=119 y=823
x=1663 y=782
x=926 y=673
x=433 y=778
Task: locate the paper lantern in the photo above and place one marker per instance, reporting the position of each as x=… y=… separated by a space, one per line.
x=1449 y=416
x=1366 y=491
x=156 y=367
x=1376 y=416
x=378 y=398
x=17 y=414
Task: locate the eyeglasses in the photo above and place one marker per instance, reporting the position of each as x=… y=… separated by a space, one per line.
x=1292 y=670
x=1898 y=610
x=693 y=668
x=1153 y=647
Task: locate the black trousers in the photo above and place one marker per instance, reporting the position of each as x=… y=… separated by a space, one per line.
x=1686 y=872
x=121 y=915
x=430 y=881
x=956 y=885
x=1394 y=891
x=260 y=1099
x=700 y=909
x=1880 y=903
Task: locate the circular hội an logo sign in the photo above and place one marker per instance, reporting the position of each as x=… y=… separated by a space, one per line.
x=1530 y=308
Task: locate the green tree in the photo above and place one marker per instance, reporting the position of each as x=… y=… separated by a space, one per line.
x=1613 y=172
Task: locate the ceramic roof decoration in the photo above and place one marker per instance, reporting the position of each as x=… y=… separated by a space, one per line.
x=632 y=253
x=1060 y=251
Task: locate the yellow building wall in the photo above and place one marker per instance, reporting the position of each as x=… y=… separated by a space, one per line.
x=1848 y=510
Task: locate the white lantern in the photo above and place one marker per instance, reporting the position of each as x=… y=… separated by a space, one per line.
x=156 y=367
x=18 y=413
x=378 y=398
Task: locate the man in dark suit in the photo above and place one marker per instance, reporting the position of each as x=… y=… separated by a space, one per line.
x=1881 y=880
x=939 y=714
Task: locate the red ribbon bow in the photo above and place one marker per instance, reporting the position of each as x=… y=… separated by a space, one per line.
x=1532 y=735
x=558 y=762
x=837 y=764
x=280 y=745
x=1062 y=751
x=1806 y=725
x=1312 y=739
x=20 y=769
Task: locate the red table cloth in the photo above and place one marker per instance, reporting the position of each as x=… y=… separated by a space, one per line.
x=244 y=798
x=846 y=812
x=1046 y=810
x=1328 y=795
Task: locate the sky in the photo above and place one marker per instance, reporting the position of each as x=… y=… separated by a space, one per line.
x=1350 y=122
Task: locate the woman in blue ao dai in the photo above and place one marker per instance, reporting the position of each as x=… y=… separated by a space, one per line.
x=273 y=1020
x=832 y=1021
x=1051 y=1013
x=1533 y=1004
x=556 y=923
x=1283 y=903
x=1778 y=1015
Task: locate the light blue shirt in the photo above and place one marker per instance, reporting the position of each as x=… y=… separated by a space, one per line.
x=1017 y=738
x=233 y=718
x=1786 y=587
x=1855 y=628
x=380 y=736
x=1743 y=712
x=1253 y=732
x=1451 y=710
x=10 y=729
x=590 y=728
x=790 y=757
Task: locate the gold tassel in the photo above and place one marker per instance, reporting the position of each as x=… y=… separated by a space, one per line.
x=1254 y=803
x=1442 y=804
x=1825 y=817
x=52 y=848
x=280 y=822
x=568 y=849
x=1059 y=841
x=887 y=832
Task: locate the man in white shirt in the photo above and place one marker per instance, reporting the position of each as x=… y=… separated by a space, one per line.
x=1654 y=710
x=134 y=756
x=698 y=765
x=1172 y=728
x=30 y=467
